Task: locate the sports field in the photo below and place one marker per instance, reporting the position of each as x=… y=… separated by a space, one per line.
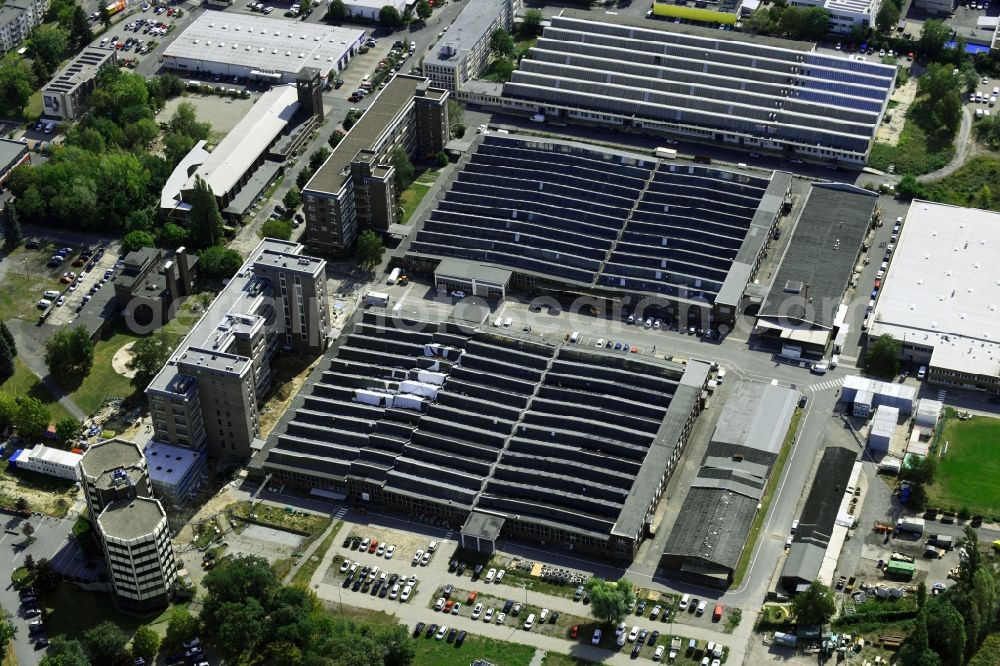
x=968 y=471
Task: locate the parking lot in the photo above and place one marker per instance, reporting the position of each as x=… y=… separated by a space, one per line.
x=84 y=284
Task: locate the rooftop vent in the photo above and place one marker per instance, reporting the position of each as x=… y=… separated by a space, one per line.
x=793 y=287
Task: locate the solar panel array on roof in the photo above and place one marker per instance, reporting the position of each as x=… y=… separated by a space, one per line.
x=488 y=420
x=594 y=218
x=691 y=81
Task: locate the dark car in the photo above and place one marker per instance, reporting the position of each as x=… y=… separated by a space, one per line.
x=431 y=630
x=653 y=637
x=376 y=587
x=461 y=638
x=461 y=569
x=338 y=83
x=392 y=579
x=452 y=565
x=355 y=543
x=347 y=582
x=636 y=649
x=32 y=245
x=418 y=629
x=641 y=608
x=41 y=642
x=347 y=542
x=446 y=592
x=383 y=592
x=516 y=610
x=357 y=585
x=508 y=605
x=553 y=616
x=478 y=570
x=451 y=635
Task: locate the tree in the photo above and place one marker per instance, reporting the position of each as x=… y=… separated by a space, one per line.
x=407 y=16
x=335 y=138
x=424 y=10
x=404 y=168
x=388 y=17
x=32 y=417
x=103 y=14
x=887 y=16
x=241 y=626
x=185 y=121
x=318 y=157
x=531 y=24
x=206 y=220
x=68 y=429
x=27 y=528
x=910 y=188
x=337 y=11
x=8 y=410
x=280 y=229
x=145 y=643
x=973 y=558
x=456 y=114
x=105 y=642
x=882 y=356
x=181 y=627
x=80 y=33
x=8 y=337
x=921 y=594
x=939 y=108
x=502 y=70
x=173 y=236
x=64 y=651
x=47 y=46
x=136 y=240
x=370 y=249
x=7 y=629
x=502 y=44
x=69 y=353
x=814 y=606
x=17 y=82
x=149 y=354
x=46 y=576
x=441 y=159
x=610 y=601
x=6 y=361
x=946 y=632
x=292 y=200
x=12 y=233
x=22 y=505
x=933 y=37
x=219 y=263
x=916 y=650
x=176 y=146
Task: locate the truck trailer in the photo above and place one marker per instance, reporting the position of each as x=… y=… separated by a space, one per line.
x=915 y=525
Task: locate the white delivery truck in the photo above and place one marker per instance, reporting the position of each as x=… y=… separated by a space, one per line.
x=665 y=153
x=376 y=298
x=393 y=276
x=915 y=525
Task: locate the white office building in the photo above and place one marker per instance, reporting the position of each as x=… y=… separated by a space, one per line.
x=369 y=9
x=45 y=460
x=463 y=53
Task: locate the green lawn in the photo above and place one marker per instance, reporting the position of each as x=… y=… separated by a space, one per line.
x=915 y=154
x=72 y=611
x=24 y=382
x=965 y=186
x=432 y=652
x=557 y=659
x=968 y=470
x=20 y=294
x=102 y=381
x=772 y=484
x=308 y=568
x=416 y=192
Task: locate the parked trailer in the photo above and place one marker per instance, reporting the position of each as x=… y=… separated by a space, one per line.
x=393 y=276
x=665 y=153
x=915 y=525
x=376 y=298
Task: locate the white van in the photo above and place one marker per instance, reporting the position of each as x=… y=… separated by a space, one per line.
x=498 y=322
x=922 y=372
x=685 y=600
x=720 y=376
x=51 y=293
x=530 y=622
x=575 y=337
x=834 y=360
x=44 y=304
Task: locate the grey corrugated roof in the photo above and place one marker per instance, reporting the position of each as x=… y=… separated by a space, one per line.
x=753 y=416
x=469 y=270
x=822 y=255
x=713 y=525
x=823 y=503
x=803 y=563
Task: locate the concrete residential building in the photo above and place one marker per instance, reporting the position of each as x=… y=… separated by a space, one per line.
x=113 y=470
x=152 y=286
x=559 y=215
x=256 y=47
x=207 y=395
x=703 y=85
x=65 y=96
x=940 y=296
x=252 y=154
x=45 y=460
x=141 y=563
x=712 y=527
x=355 y=188
x=465 y=424
x=463 y=52
x=17 y=19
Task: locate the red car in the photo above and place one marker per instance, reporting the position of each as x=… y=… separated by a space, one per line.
x=574 y=631
x=373 y=546
x=878 y=284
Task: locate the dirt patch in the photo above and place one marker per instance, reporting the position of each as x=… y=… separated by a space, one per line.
x=891 y=127
x=121 y=359
x=288 y=374
x=46 y=494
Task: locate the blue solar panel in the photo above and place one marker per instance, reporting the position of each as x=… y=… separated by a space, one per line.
x=845 y=88
x=840 y=101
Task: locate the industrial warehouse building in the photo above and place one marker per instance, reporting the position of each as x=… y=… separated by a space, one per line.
x=255 y=47
x=941 y=295
x=714 y=521
x=355 y=188
x=511 y=435
x=704 y=85
x=801 y=309
x=562 y=216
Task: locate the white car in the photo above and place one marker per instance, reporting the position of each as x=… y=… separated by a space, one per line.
x=380 y=551
x=500 y=575
x=456 y=609
x=477 y=611
x=488 y=616
x=406 y=593
x=501 y=617
x=620 y=629
x=417 y=555
x=634 y=634
x=658 y=654
x=412 y=581
x=345 y=566
x=441 y=633
x=390 y=551
x=439 y=604
x=432 y=546
x=600 y=343
x=596 y=639
x=543 y=615
x=458 y=293
x=425 y=559
x=819 y=368
x=490 y=575
x=394 y=592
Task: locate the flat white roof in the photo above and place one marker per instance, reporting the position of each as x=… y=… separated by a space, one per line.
x=252 y=40
x=942 y=289
x=54 y=456
x=170 y=195
x=377 y=5
x=227 y=163
x=885 y=421
x=168 y=464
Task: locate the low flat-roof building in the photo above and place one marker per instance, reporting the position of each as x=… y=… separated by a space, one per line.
x=463 y=52
x=65 y=96
x=883 y=428
x=12 y=155
x=176 y=472
x=566 y=445
x=940 y=296
x=802 y=306
x=845 y=14
x=369 y=9
x=206 y=396
x=355 y=188
x=45 y=460
x=875 y=393
x=562 y=216
x=713 y=524
x=702 y=84
x=256 y=47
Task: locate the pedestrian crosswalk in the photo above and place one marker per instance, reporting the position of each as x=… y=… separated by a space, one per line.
x=827 y=385
x=447 y=535
x=941 y=395
x=341 y=512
